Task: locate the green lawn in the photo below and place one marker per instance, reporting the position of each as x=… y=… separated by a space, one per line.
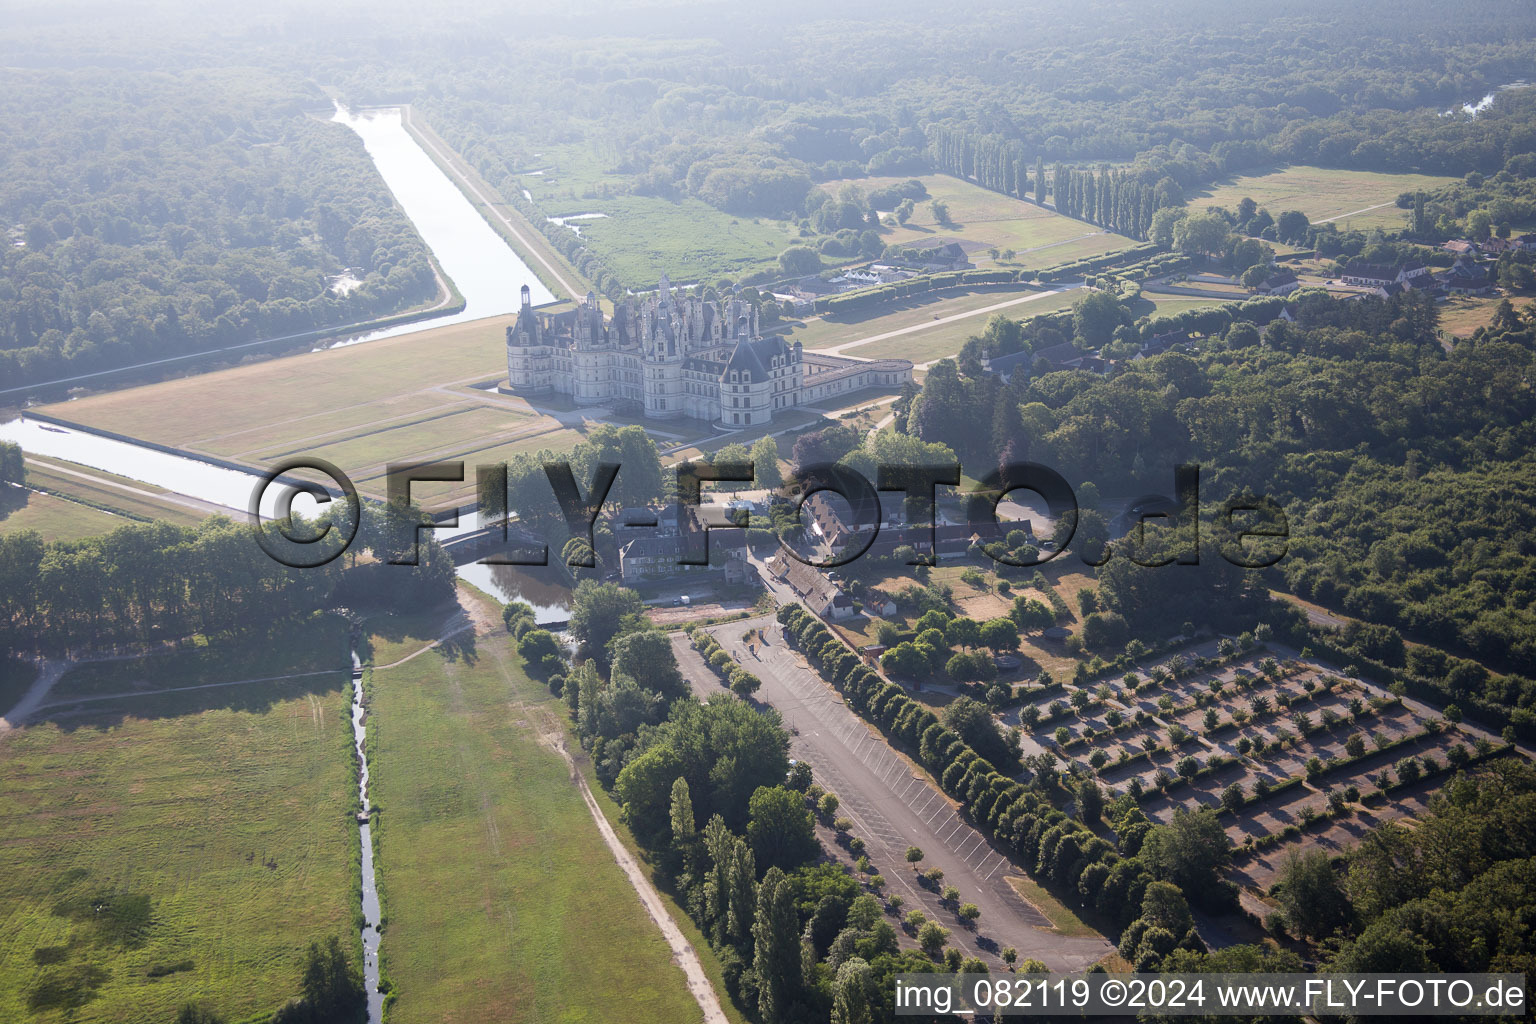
x=186 y=851
x=944 y=340
x=1322 y=194
x=54 y=518
x=1063 y=920
x=293 y=648
x=643 y=237
x=825 y=332
x=501 y=901
x=1157 y=304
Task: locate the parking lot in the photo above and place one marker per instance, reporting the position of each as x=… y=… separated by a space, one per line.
x=893 y=804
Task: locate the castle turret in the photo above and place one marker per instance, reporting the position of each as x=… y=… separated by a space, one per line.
x=529 y=359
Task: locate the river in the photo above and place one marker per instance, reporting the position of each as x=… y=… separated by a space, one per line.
x=1487 y=101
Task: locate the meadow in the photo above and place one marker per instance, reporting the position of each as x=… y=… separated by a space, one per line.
x=1461 y=315
x=73 y=502
x=1354 y=199
x=981 y=219
x=643 y=237
x=500 y=900
x=185 y=847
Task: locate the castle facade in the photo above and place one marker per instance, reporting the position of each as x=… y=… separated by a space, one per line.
x=676 y=357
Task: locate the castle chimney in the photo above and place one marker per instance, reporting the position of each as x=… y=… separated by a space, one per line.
x=527 y=300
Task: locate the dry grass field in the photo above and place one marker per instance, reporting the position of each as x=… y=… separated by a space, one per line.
x=362 y=407
x=1461 y=315
x=981 y=219
x=1354 y=199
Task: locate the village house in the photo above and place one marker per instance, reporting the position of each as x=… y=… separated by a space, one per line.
x=1377 y=275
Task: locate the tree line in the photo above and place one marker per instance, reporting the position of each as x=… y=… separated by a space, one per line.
x=157 y=581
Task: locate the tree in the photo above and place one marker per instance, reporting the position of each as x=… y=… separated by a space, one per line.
x=541 y=651
x=332 y=989
x=1164 y=221
x=12 y=467
x=598 y=612
x=1190 y=850
x=931 y=938
x=684 y=828
x=776 y=945
x=1096 y=314
x=1292 y=226
x=1311 y=893
x=193 y=1014
x=780 y=829
x=644 y=789
x=1201 y=234
x=799 y=261
x=853 y=988
x=741 y=894
x=999 y=635
x=765 y=463
x=646 y=656
x=972 y=721
x=940 y=210
x=968 y=912
x=914 y=854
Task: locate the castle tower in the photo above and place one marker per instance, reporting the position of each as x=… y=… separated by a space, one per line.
x=662 y=353
x=529 y=359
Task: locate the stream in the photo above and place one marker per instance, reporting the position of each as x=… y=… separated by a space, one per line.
x=365 y=828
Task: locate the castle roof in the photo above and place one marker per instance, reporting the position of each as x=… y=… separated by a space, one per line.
x=755 y=356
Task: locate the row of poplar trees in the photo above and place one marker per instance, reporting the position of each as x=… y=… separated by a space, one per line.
x=1115 y=199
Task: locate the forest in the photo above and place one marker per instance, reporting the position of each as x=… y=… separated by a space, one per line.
x=1404 y=469
x=1097 y=110
x=166 y=214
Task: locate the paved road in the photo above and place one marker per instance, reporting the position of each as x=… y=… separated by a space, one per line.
x=893 y=805
x=840 y=349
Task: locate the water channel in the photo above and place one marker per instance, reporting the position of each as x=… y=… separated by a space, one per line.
x=371 y=914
